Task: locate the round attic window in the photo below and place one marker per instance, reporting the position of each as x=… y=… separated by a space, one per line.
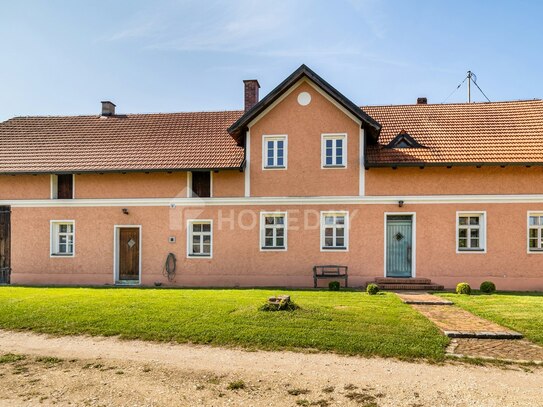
x=304 y=98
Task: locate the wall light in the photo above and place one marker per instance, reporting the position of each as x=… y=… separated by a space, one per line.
x=400 y=204
x=125 y=211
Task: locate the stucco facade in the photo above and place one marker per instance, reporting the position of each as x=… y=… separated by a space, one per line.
x=159 y=205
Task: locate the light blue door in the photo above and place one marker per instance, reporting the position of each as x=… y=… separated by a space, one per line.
x=399 y=245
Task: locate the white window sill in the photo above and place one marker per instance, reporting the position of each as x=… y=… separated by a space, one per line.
x=61 y=255
x=334 y=166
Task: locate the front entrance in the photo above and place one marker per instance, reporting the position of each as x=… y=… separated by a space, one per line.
x=128 y=255
x=5 y=244
x=399 y=246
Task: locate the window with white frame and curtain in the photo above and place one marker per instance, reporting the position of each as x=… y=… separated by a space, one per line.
x=273 y=231
x=62 y=238
x=274 y=152
x=334 y=231
x=200 y=238
x=535 y=232
x=471 y=232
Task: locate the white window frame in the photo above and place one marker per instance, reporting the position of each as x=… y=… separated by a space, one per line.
x=54 y=240
x=189 y=185
x=54 y=186
x=275 y=137
x=530 y=250
x=345 y=233
x=333 y=136
x=190 y=223
x=263 y=215
x=482 y=232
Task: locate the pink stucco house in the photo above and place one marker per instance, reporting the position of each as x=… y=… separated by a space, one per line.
x=257 y=197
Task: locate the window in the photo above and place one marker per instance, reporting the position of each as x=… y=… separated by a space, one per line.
x=274 y=152
x=334 y=230
x=471 y=232
x=63 y=238
x=535 y=232
x=334 y=150
x=273 y=231
x=62 y=186
x=200 y=184
x=199 y=238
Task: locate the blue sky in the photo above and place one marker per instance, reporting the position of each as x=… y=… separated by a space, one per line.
x=64 y=57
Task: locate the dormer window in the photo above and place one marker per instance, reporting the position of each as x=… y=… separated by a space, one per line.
x=404 y=140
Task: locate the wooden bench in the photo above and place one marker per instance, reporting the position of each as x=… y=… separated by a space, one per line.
x=336 y=272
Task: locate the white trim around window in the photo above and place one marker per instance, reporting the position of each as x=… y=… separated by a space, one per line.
x=472 y=226
x=338 y=149
x=278 y=145
x=203 y=230
x=534 y=223
x=62 y=238
x=334 y=231
x=273 y=231
x=54 y=186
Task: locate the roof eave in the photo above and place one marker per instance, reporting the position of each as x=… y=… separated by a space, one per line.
x=451 y=164
x=121 y=171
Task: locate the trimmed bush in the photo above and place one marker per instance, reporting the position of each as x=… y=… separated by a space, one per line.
x=463 y=288
x=333 y=286
x=372 y=289
x=488 y=287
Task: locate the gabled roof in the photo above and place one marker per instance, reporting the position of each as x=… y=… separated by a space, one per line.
x=303 y=71
x=404 y=140
x=496 y=133
x=133 y=142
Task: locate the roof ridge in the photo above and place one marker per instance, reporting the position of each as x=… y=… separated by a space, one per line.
x=457 y=103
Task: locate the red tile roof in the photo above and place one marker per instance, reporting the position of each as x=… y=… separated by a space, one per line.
x=485 y=133
x=154 y=142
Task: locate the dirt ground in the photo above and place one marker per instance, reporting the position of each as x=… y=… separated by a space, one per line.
x=84 y=371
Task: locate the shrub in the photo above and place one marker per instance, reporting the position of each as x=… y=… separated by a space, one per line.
x=333 y=286
x=280 y=303
x=488 y=287
x=237 y=385
x=463 y=288
x=372 y=289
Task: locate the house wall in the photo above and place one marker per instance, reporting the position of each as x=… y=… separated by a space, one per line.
x=25 y=187
x=237 y=259
x=454 y=181
x=304 y=125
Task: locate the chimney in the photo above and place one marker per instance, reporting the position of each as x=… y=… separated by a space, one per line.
x=422 y=101
x=251 y=93
x=108 y=108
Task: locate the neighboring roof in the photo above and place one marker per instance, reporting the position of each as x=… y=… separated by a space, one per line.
x=237 y=129
x=134 y=142
x=460 y=134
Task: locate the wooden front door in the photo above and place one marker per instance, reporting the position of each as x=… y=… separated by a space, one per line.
x=399 y=246
x=129 y=254
x=5 y=244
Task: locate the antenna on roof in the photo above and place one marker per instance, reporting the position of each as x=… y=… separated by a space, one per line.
x=470 y=77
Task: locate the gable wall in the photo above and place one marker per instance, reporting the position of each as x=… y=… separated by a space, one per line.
x=304 y=126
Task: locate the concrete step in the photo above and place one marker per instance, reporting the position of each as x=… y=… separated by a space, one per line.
x=410 y=287
x=398 y=280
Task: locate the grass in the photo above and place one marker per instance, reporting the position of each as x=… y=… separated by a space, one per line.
x=345 y=322
x=522 y=312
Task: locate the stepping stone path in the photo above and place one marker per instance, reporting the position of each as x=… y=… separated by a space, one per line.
x=471 y=335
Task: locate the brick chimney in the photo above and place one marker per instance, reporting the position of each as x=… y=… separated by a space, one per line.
x=422 y=101
x=108 y=108
x=251 y=93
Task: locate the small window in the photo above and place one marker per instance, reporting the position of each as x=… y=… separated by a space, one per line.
x=274 y=149
x=535 y=232
x=200 y=184
x=334 y=230
x=334 y=150
x=62 y=238
x=471 y=232
x=62 y=186
x=273 y=231
x=200 y=237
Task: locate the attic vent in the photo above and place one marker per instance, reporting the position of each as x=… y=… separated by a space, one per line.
x=404 y=140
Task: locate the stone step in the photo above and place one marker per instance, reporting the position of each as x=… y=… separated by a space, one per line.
x=410 y=287
x=399 y=280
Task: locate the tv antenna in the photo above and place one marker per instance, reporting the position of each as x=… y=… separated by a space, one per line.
x=471 y=78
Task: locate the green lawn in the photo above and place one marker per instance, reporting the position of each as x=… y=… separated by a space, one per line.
x=345 y=322
x=522 y=312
